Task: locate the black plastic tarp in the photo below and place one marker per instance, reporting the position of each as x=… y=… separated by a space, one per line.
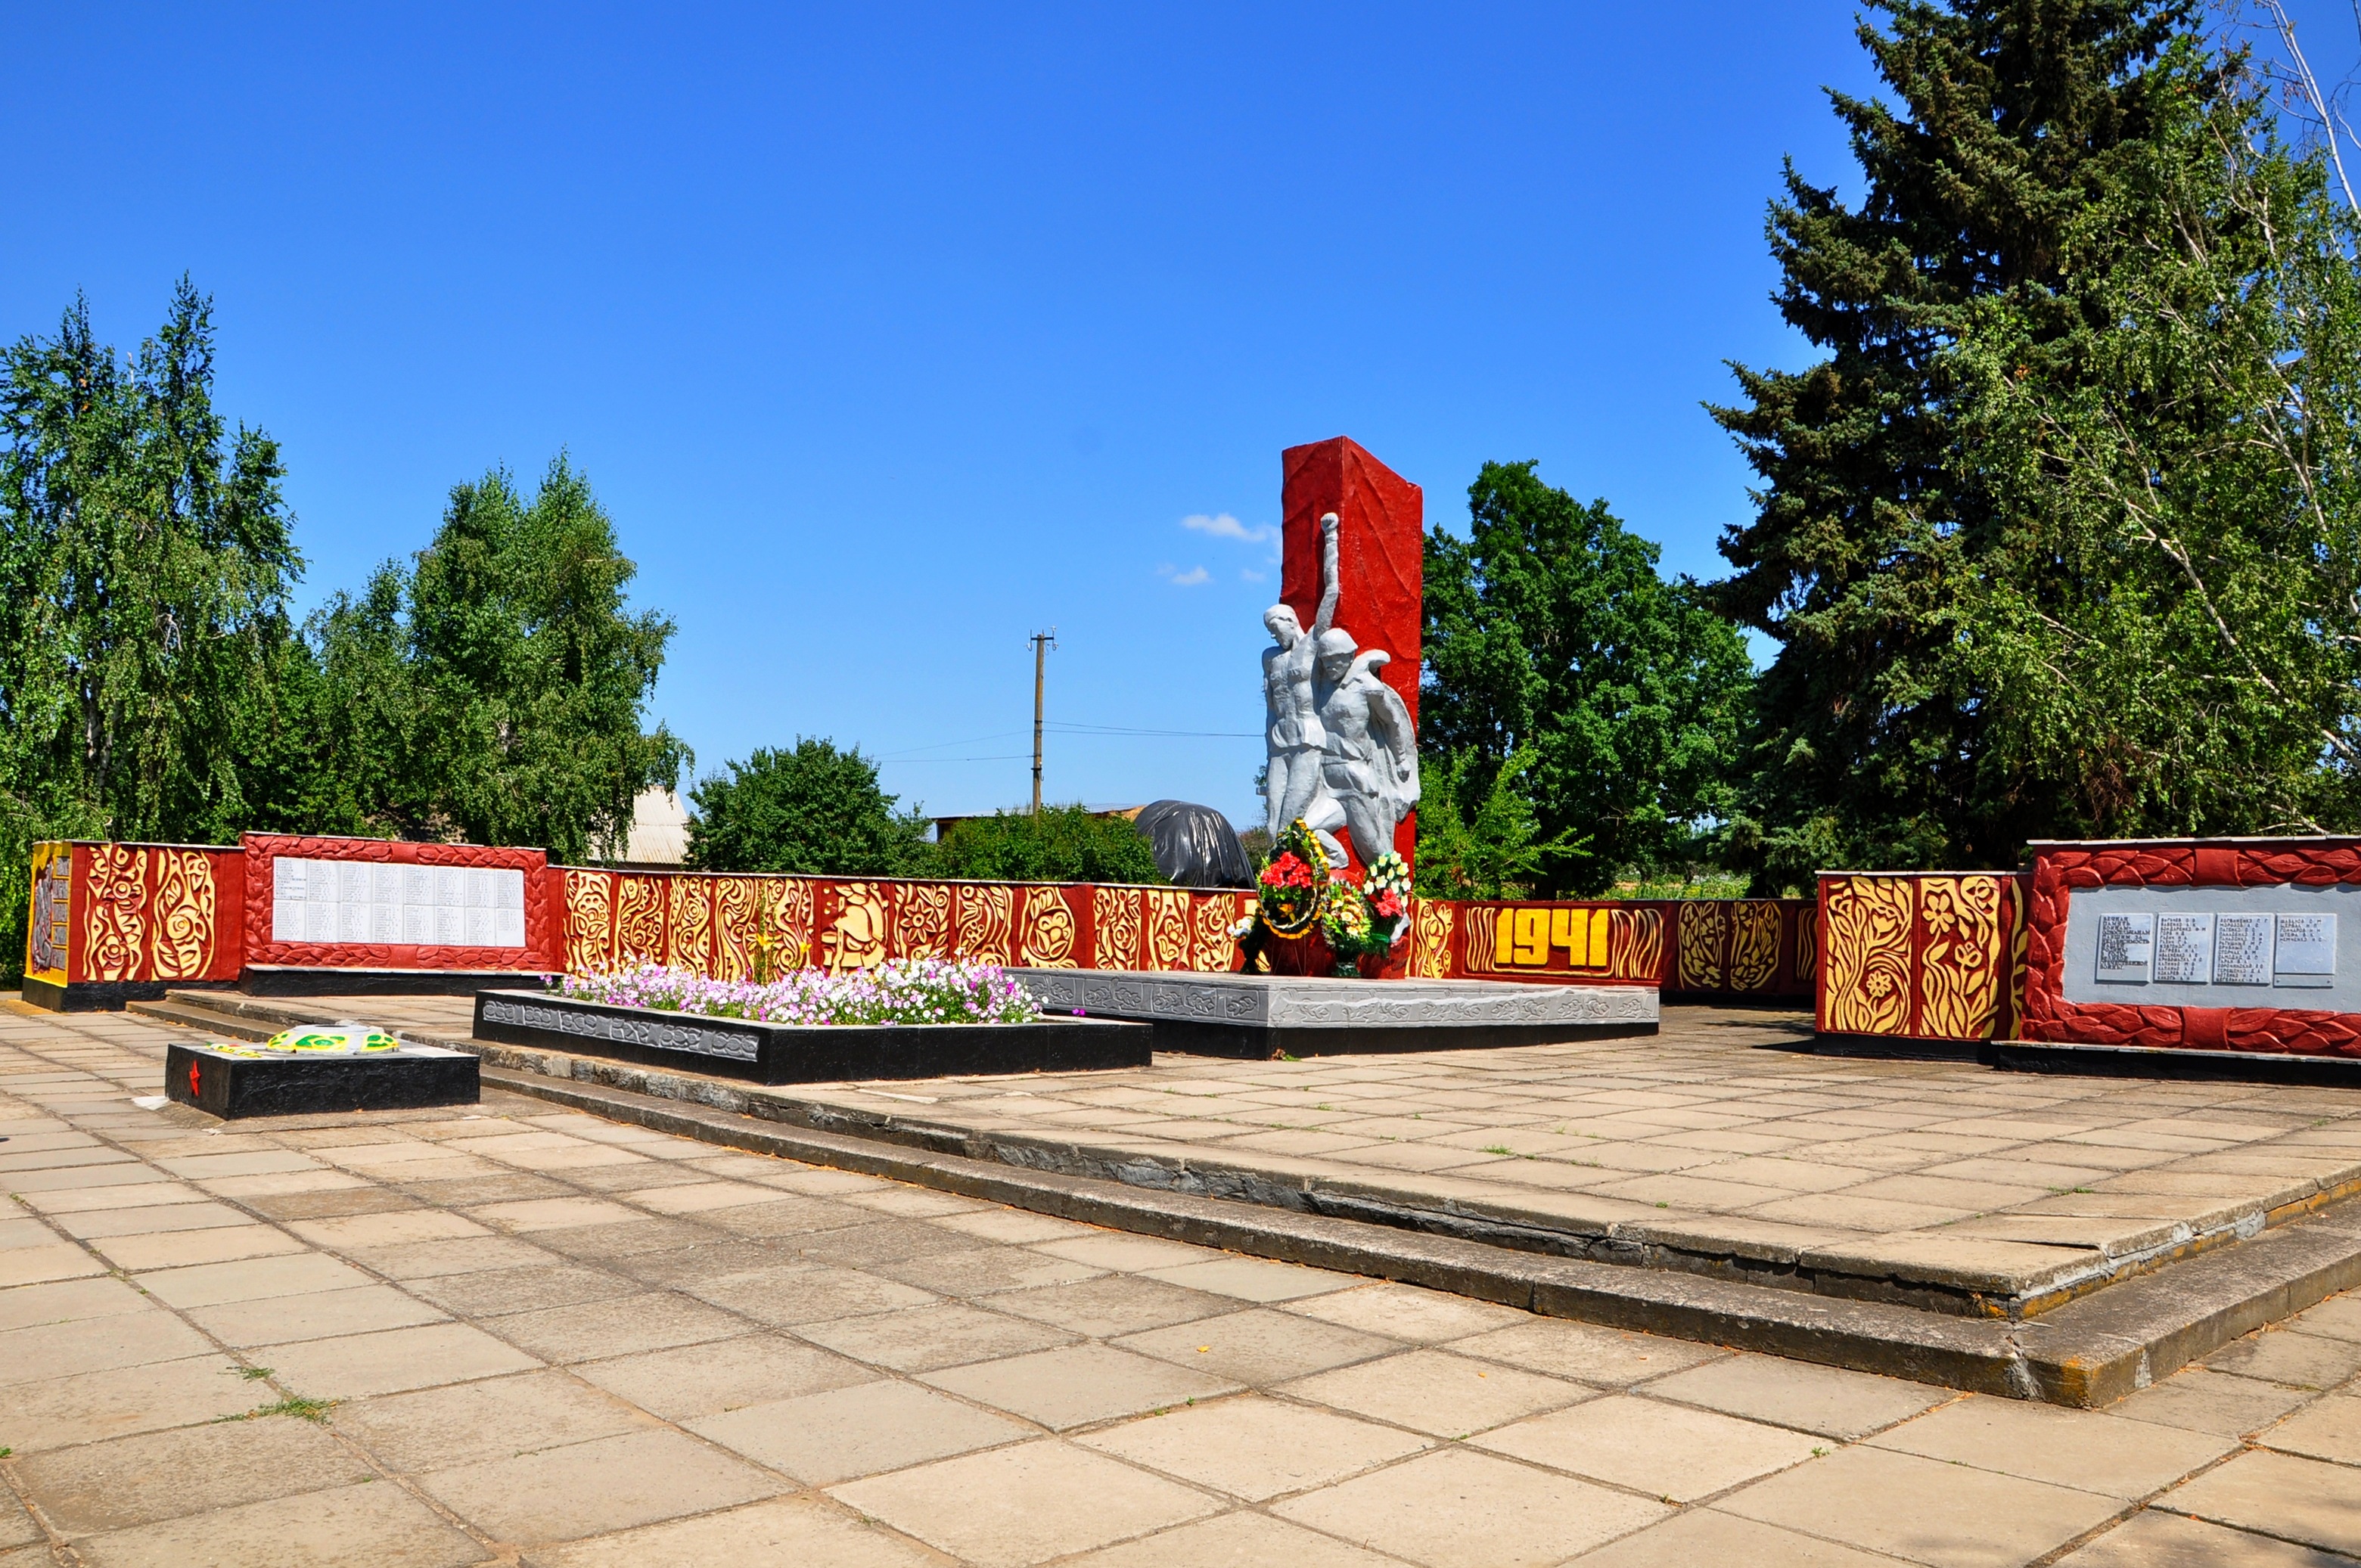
x=1195 y=845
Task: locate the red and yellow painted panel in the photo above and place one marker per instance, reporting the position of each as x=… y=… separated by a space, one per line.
x=709 y=922
x=49 y=926
x=1698 y=948
x=138 y=913
x=1560 y=942
x=1922 y=955
x=1740 y=947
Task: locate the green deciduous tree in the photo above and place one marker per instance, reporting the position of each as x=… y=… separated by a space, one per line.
x=491 y=689
x=814 y=810
x=1549 y=634
x=532 y=669
x=152 y=684
x=145 y=562
x=1906 y=546
x=1062 y=843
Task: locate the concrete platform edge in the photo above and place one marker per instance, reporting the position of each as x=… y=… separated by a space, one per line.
x=1547 y=1226
x=2089 y=1353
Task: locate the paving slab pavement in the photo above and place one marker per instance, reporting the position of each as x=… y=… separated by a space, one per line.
x=1716 y=1145
x=567 y=1354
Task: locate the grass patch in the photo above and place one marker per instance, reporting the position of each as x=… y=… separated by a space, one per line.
x=302 y=1408
x=254 y=1374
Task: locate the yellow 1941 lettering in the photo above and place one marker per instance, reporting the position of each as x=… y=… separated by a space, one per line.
x=1525 y=937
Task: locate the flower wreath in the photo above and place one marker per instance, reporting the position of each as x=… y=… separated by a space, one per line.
x=1293 y=883
x=1368 y=920
x=1296 y=891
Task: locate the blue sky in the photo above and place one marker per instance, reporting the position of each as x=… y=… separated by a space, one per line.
x=890 y=335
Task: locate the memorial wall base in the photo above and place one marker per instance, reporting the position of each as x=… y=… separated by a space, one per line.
x=107 y=996
x=293 y=980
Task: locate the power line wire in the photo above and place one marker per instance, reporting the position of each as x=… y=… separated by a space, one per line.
x=1062 y=727
x=1127 y=730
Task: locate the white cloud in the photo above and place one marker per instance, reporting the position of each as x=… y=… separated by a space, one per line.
x=1221 y=525
x=1187 y=579
x=1253 y=576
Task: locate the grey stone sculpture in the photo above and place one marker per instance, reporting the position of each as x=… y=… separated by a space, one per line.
x=1342 y=752
x=1369 y=746
x=1293 y=737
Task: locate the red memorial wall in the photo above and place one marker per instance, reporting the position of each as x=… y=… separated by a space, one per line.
x=1380 y=551
x=111 y=923
x=2061 y=869
x=538 y=948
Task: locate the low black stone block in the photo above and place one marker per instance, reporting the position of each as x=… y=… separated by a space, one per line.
x=2199 y=1066
x=804 y=1053
x=301 y=1083
x=107 y=996
x=1268 y=1042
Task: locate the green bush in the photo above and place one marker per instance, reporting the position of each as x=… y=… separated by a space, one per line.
x=1480 y=838
x=1064 y=843
x=814 y=810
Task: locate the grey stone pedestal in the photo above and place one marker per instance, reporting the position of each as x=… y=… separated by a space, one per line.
x=1259 y=1015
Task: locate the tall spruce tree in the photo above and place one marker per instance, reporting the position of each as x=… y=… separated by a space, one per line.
x=1876 y=532
x=2166 y=616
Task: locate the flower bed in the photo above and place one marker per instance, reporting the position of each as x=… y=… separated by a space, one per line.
x=899 y=991
x=920 y=1018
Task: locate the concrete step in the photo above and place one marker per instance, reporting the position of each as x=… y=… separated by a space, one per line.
x=280 y=1013
x=203 y=1020
x=242 y=1017
x=2089 y=1352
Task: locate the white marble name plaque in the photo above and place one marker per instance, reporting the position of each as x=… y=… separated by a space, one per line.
x=369 y=902
x=2270 y=945
x=2306 y=955
x=2126 y=947
x=2242 y=950
x=2184 y=949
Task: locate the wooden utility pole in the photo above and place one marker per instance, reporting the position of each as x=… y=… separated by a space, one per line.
x=1042 y=643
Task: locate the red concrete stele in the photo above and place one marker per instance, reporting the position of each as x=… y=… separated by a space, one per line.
x=1381 y=556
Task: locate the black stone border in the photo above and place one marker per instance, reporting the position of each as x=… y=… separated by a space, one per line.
x=1896 y=1048
x=107 y=996
x=795 y=1053
x=2148 y=1061
x=2104 y=1061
